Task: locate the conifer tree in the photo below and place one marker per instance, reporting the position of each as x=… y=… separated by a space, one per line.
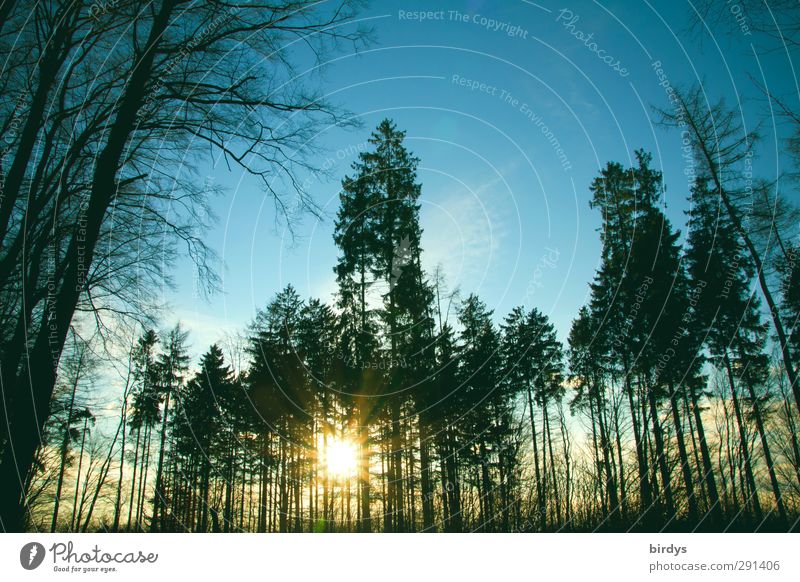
x=533 y=364
x=484 y=396
x=379 y=238
x=730 y=322
x=202 y=422
x=173 y=364
x=146 y=413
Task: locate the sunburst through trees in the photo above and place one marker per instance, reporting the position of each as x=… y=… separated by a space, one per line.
x=384 y=411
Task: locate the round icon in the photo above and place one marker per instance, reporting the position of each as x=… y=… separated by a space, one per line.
x=31 y=555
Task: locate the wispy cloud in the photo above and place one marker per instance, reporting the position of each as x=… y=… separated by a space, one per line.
x=204 y=328
x=464 y=231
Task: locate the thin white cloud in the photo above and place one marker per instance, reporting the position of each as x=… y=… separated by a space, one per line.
x=204 y=328
x=464 y=232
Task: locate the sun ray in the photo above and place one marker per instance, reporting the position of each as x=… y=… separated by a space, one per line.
x=341 y=457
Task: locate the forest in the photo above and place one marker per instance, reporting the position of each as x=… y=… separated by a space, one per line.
x=403 y=403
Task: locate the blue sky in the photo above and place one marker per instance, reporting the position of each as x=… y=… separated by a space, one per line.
x=512 y=115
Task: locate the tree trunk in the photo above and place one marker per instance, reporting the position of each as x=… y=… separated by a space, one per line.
x=39 y=373
x=118 y=502
x=397 y=468
x=556 y=496
x=101 y=479
x=708 y=468
x=748 y=467
x=605 y=445
x=158 y=495
x=645 y=494
x=683 y=456
x=78 y=475
x=537 y=475
x=426 y=483
x=64 y=453
x=762 y=433
x=661 y=455
x=364 y=470
x=133 y=480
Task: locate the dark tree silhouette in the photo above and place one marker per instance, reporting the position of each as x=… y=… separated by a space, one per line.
x=377 y=413
x=186 y=73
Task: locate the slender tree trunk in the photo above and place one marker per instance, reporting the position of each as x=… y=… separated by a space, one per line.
x=762 y=433
x=158 y=495
x=446 y=512
x=556 y=496
x=686 y=469
x=133 y=479
x=298 y=500
x=397 y=468
x=708 y=469
x=645 y=493
x=284 y=495
x=748 y=467
x=610 y=482
x=101 y=479
x=411 y=477
x=456 y=521
x=364 y=470
x=487 y=517
x=598 y=489
x=78 y=475
x=793 y=434
x=537 y=474
x=118 y=502
x=205 y=485
x=145 y=472
x=227 y=511
x=567 y=466
x=661 y=455
x=426 y=480
x=698 y=467
x=64 y=454
x=622 y=485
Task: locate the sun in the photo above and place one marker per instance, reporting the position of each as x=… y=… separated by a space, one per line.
x=341 y=457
